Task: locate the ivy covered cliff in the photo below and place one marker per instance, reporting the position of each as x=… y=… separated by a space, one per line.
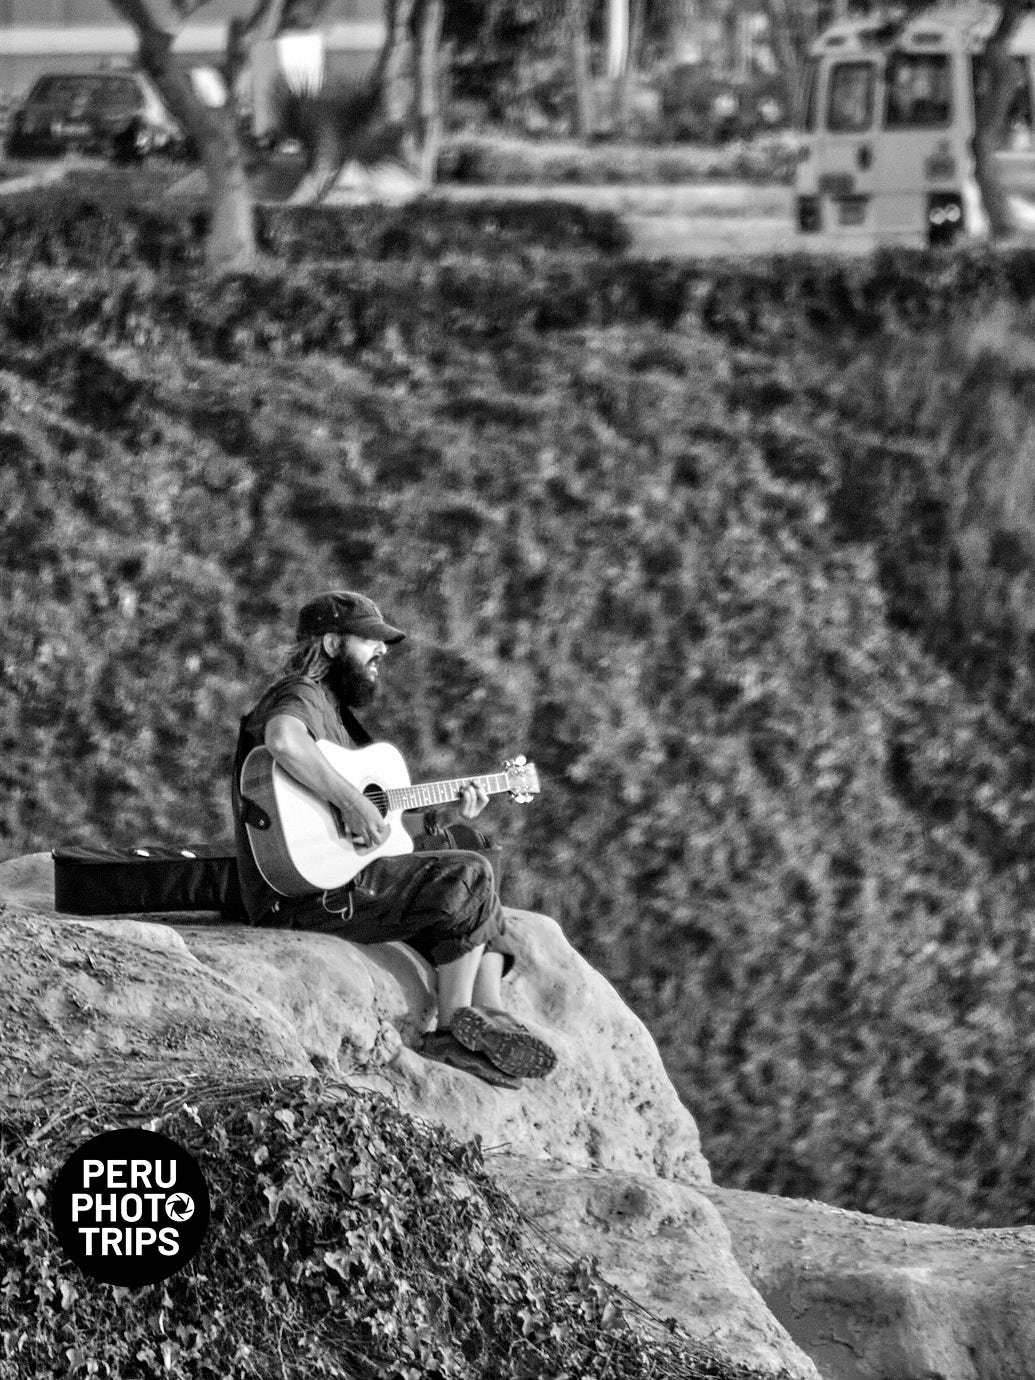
x=739 y=556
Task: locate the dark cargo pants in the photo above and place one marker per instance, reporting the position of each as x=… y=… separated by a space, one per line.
x=441 y=903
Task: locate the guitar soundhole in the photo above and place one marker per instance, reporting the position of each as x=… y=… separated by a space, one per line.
x=376 y=796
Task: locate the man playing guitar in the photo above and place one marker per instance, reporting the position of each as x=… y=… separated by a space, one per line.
x=442 y=903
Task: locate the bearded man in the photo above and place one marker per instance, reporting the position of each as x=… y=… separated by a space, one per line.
x=443 y=903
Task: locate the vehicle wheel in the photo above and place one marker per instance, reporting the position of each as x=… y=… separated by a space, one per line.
x=130 y=144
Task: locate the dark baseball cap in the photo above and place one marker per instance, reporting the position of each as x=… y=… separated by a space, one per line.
x=340 y=610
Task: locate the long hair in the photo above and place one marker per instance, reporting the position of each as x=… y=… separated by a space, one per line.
x=308 y=658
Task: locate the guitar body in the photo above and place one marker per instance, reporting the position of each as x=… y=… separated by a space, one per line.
x=304 y=849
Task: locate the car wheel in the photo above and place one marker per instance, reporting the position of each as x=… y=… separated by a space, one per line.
x=124 y=147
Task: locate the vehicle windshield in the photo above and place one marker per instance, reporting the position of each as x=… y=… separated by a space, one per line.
x=96 y=91
x=850 y=97
x=918 y=90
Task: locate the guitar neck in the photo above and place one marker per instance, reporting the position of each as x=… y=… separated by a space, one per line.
x=443 y=792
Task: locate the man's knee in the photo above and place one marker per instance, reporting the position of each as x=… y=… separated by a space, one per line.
x=461 y=898
x=478 y=871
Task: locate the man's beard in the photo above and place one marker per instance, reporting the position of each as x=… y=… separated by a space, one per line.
x=352 y=686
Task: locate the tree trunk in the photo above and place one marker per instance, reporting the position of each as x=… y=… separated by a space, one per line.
x=427 y=115
x=372 y=120
x=682 y=31
x=617 y=60
x=396 y=63
x=992 y=100
x=230 y=245
x=790 y=33
x=580 y=69
x=636 y=17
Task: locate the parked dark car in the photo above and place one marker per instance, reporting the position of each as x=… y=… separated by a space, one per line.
x=109 y=114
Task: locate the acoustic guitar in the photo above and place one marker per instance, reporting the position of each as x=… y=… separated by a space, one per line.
x=300 y=842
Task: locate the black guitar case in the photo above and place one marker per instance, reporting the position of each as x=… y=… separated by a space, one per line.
x=148 y=880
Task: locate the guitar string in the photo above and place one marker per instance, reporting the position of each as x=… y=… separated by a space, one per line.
x=379 y=797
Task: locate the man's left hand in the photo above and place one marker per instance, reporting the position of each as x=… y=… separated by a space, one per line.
x=472 y=800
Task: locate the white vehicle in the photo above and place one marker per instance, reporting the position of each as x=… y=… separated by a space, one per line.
x=887 y=127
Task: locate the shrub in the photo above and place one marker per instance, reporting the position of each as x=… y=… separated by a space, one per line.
x=347 y=1239
x=67 y=228
x=506 y=161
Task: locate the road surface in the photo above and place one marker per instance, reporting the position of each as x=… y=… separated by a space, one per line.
x=666 y=221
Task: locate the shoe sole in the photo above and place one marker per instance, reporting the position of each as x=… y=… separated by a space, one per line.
x=476 y=1066
x=517 y=1052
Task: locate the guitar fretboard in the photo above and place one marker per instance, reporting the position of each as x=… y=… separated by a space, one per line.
x=442 y=792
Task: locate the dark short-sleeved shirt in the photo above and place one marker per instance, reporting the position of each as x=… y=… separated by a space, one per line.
x=317 y=708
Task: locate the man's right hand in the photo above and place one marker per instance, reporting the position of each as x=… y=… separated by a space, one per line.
x=363 y=823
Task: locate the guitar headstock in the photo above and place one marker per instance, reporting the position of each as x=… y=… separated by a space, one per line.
x=522 y=779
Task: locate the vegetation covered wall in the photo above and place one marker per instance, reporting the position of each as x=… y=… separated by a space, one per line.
x=739 y=556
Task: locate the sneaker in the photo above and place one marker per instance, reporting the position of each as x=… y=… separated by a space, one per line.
x=510 y=1045
x=443 y=1048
